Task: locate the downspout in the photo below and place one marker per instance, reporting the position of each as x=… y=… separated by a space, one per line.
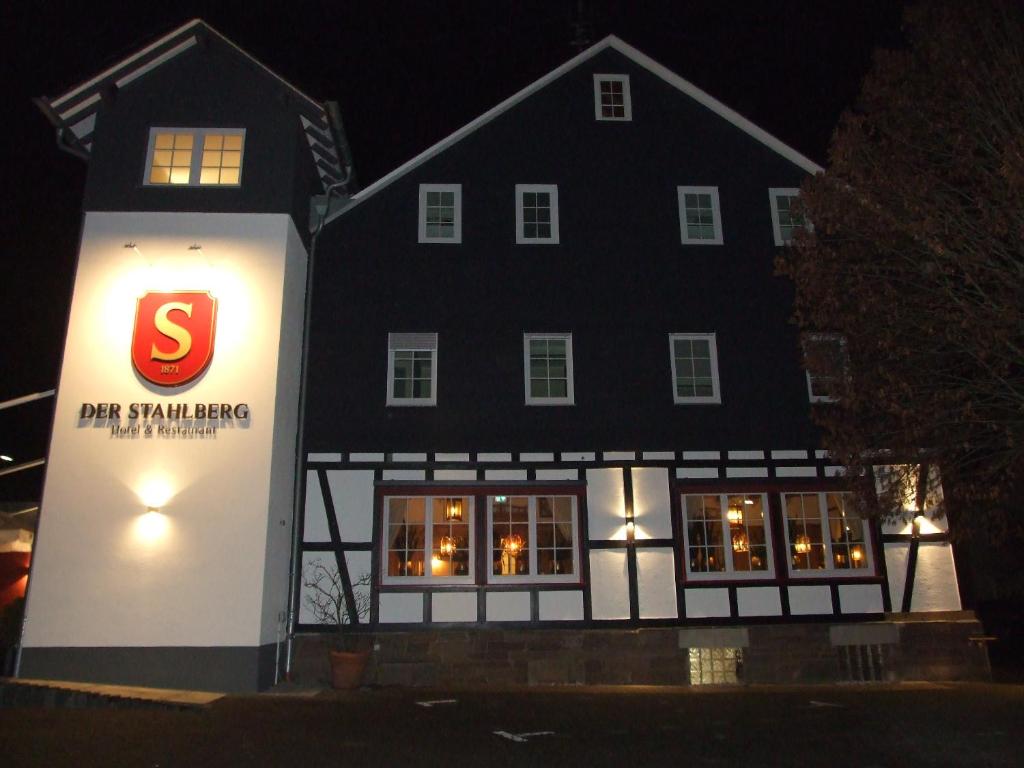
x=293 y=595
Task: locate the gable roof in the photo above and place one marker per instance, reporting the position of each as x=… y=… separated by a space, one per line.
x=74 y=113
x=641 y=59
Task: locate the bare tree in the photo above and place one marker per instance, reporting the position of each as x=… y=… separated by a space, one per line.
x=325 y=594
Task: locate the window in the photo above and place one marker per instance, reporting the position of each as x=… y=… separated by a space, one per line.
x=533 y=538
x=715 y=666
x=195 y=157
x=440 y=213
x=700 y=220
x=785 y=218
x=412 y=369
x=611 y=97
x=428 y=538
x=694 y=368
x=726 y=535
x=824 y=534
x=536 y=213
x=547 y=364
x=825 y=364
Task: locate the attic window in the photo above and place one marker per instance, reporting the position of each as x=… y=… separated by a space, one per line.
x=191 y=157
x=611 y=98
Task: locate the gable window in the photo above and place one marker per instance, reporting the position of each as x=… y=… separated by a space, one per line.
x=694 y=368
x=611 y=97
x=700 y=219
x=726 y=534
x=547 y=363
x=536 y=213
x=440 y=216
x=533 y=538
x=428 y=538
x=195 y=157
x=785 y=218
x=824 y=534
x=825 y=365
x=412 y=369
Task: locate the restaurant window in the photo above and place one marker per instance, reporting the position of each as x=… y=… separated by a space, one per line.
x=428 y=539
x=726 y=536
x=823 y=533
x=533 y=538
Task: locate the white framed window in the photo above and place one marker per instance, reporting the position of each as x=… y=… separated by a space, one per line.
x=700 y=218
x=825 y=365
x=440 y=213
x=547 y=368
x=533 y=539
x=785 y=218
x=694 y=368
x=192 y=157
x=428 y=539
x=536 y=213
x=824 y=535
x=611 y=98
x=727 y=536
x=412 y=369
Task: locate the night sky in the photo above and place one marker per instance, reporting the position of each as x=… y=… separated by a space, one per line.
x=406 y=74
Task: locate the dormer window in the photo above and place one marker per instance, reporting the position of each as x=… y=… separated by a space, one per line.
x=611 y=98
x=191 y=157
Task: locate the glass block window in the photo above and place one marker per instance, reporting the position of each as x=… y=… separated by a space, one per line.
x=823 y=534
x=715 y=666
x=440 y=213
x=548 y=369
x=536 y=213
x=612 y=98
x=412 y=369
x=694 y=368
x=191 y=157
x=222 y=159
x=699 y=216
x=786 y=219
x=726 y=536
x=533 y=538
x=428 y=538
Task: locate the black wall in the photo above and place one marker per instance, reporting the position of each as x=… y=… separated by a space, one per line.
x=620 y=281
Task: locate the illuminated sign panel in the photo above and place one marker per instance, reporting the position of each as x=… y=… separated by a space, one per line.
x=173 y=338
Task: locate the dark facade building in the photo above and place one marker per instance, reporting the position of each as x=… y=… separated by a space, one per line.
x=555 y=423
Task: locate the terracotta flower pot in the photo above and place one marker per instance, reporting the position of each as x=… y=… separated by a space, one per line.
x=347 y=668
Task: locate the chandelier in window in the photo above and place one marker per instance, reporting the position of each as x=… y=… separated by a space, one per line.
x=512 y=545
x=857 y=554
x=734 y=515
x=802 y=545
x=448 y=546
x=740 y=542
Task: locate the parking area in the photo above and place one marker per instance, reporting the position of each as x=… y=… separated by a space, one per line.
x=865 y=725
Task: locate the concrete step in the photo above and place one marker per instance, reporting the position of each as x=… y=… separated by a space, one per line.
x=66 y=694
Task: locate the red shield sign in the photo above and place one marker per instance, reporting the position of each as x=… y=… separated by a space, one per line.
x=173 y=338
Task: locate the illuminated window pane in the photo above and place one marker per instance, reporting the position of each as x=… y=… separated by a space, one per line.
x=160 y=175
x=164 y=141
x=217 y=156
x=209 y=176
x=229 y=175
x=533 y=537
x=179 y=175
x=213 y=141
x=233 y=141
x=173 y=159
x=426 y=540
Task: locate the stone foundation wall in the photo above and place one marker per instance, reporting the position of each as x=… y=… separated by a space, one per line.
x=900 y=648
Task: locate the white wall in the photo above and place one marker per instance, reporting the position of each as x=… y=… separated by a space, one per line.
x=217 y=574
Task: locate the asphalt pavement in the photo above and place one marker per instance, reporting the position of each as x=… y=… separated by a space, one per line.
x=866 y=726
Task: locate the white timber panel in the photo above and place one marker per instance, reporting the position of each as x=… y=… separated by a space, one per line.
x=453 y=606
x=860 y=598
x=808 y=601
x=609 y=584
x=651 y=510
x=508 y=606
x=656 y=583
x=400 y=607
x=896 y=568
x=352 y=494
x=306 y=593
x=562 y=605
x=606 y=504
x=359 y=573
x=314 y=521
x=935 y=585
x=758 y=601
x=707 y=603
